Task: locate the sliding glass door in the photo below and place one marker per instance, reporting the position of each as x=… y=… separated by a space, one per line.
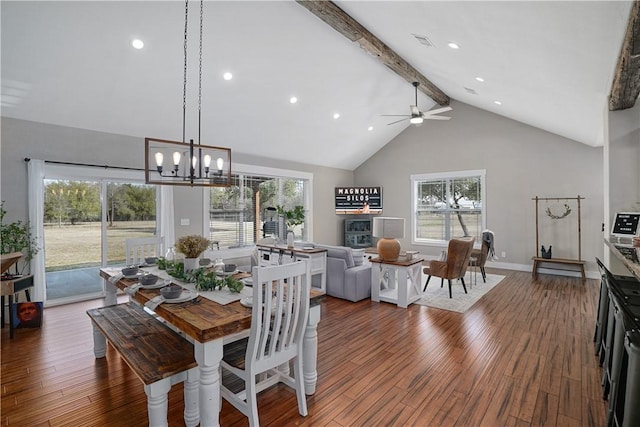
x=86 y=223
x=72 y=244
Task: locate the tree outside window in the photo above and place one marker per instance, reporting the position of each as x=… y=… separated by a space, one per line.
x=448 y=206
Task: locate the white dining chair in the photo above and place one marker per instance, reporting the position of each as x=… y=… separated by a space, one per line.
x=139 y=248
x=277 y=329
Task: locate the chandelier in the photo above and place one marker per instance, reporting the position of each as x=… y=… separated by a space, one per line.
x=187 y=163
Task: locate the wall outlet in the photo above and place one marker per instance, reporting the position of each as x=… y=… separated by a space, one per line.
x=504 y=254
x=184 y=221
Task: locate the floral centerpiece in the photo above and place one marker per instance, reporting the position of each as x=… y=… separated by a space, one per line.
x=192 y=246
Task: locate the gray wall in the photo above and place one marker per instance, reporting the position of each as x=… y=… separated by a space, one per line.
x=521 y=162
x=22 y=139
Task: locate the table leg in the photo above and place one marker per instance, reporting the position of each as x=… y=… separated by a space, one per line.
x=376 y=279
x=402 y=286
x=208 y=356
x=99 y=342
x=111 y=297
x=11 y=325
x=415 y=288
x=310 y=351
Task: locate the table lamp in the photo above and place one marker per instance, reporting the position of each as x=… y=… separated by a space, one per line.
x=388 y=229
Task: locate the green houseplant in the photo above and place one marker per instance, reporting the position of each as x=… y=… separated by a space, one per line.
x=17 y=237
x=292 y=217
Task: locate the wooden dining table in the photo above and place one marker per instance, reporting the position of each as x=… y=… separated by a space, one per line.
x=210 y=325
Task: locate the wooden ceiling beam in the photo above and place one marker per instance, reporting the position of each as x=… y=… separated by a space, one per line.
x=626 y=82
x=340 y=21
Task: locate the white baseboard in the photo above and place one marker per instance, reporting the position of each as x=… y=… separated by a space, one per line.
x=529 y=267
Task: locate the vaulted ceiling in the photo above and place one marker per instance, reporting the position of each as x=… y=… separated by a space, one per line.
x=550 y=64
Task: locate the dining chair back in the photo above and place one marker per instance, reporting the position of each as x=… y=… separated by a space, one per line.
x=139 y=248
x=280 y=308
x=479 y=256
x=455 y=265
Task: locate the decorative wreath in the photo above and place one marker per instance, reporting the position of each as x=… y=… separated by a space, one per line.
x=567 y=211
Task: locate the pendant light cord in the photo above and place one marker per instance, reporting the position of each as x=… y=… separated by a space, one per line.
x=200 y=73
x=184 y=80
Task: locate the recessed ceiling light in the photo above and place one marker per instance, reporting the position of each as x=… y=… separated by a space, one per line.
x=293 y=100
x=370 y=128
x=137 y=44
x=336 y=115
x=453 y=45
x=480 y=79
x=497 y=102
x=227 y=76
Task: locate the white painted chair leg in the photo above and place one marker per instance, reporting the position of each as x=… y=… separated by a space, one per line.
x=191 y=396
x=157 y=402
x=252 y=404
x=300 y=393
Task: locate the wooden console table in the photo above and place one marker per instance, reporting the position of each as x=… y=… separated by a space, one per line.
x=281 y=254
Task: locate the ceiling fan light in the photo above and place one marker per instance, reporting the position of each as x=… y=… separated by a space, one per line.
x=415 y=120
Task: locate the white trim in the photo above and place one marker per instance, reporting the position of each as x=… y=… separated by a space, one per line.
x=440 y=175
x=240 y=168
x=268 y=171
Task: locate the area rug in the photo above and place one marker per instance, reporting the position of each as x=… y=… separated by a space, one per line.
x=438 y=297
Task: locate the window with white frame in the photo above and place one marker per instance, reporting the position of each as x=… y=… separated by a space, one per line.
x=448 y=205
x=246 y=211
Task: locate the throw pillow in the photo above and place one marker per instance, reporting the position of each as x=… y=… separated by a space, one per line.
x=358 y=256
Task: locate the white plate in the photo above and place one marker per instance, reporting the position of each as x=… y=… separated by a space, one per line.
x=159 y=284
x=227 y=273
x=248 y=302
x=186 y=295
x=248 y=281
x=134 y=276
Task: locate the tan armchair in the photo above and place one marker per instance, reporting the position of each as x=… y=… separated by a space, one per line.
x=455 y=266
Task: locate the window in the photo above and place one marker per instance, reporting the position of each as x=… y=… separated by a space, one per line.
x=447 y=205
x=246 y=212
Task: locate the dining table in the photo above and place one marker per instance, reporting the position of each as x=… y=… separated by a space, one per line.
x=210 y=320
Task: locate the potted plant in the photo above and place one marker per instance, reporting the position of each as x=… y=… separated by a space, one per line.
x=192 y=246
x=292 y=218
x=17 y=237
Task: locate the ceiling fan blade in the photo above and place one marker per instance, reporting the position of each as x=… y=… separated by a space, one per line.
x=437 y=111
x=398 y=121
x=436 y=118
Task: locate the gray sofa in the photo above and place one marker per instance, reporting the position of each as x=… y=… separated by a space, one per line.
x=347 y=278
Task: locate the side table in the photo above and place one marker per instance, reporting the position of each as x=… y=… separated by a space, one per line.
x=397 y=282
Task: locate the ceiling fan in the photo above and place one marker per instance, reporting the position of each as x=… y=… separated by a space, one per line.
x=416 y=117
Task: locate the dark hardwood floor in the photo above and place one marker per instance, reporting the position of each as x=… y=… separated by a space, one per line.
x=522 y=356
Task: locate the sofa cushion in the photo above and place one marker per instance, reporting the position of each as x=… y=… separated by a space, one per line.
x=341 y=252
